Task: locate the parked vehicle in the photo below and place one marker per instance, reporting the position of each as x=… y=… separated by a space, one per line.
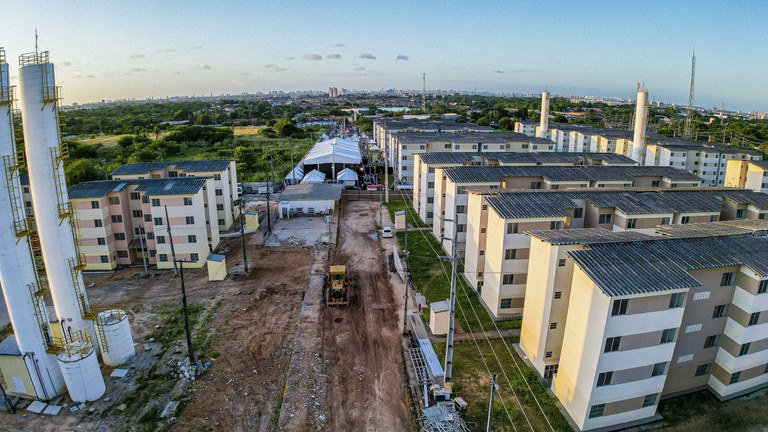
x=375 y=187
x=387 y=232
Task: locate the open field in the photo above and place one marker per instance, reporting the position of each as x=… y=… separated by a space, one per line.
x=105 y=140
x=246 y=130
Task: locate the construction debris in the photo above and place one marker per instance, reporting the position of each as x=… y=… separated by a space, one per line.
x=442 y=417
x=189 y=370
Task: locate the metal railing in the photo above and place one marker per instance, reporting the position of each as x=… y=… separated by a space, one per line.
x=20 y=223
x=33 y=58
x=75 y=266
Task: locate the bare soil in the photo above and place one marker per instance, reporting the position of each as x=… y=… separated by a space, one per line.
x=361 y=343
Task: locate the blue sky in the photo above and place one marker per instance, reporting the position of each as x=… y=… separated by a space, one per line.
x=138 y=49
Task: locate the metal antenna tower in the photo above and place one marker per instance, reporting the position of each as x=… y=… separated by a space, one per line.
x=424 y=91
x=689 y=113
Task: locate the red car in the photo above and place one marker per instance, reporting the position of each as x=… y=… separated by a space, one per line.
x=376 y=187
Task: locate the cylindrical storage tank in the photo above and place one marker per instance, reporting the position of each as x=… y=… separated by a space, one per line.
x=115 y=335
x=637 y=138
x=49 y=191
x=17 y=270
x=544 y=121
x=80 y=366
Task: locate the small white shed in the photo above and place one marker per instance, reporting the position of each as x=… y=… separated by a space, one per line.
x=309 y=199
x=346 y=177
x=439 y=317
x=313 y=176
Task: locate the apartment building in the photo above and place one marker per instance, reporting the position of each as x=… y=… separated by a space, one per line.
x=452 y=185
x=750 y=174
x=499 y=269
x=707 y=160
x=619 y=323
x=405 y=145
x=124 y=222
x=526 y=127
x=223 y=173
x=426 y=163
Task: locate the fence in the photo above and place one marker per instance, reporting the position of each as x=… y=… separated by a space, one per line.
x=366 y=195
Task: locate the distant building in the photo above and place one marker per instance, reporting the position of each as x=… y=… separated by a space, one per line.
x=750 y=174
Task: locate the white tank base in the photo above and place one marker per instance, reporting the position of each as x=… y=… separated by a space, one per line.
x=116 y=331
x=80 y=366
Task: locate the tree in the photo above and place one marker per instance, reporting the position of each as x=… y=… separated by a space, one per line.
x=560 y=119
x=81 y=170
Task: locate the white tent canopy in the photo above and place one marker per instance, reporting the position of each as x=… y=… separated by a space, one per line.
x=296 y=174
x=346 y=175
x=313 y=176
x=336 y=150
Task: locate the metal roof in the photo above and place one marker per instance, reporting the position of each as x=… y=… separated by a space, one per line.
x=188 y=166
x=529 y=158
x=587 y=236
x=309 y=191
x=462 y=137
x=530 y=205
x=622 y=269
x=96 y=189
x=9 y=346
x=708 y=229
x=157 y=187
x=488 y=174
x=437 y=125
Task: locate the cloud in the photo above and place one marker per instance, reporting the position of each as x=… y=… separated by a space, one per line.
x=402 y=57
x=84 y=76
x=368 y=56
x=291 y=58
x=176 y=72
x=269 y=66
x=245 y=74
x=167 y=50
x=196 y=47
x=498 y=71
x=276 y=68
x=136 y=56
x=138 y=70
x=339 y=45
x=64 y=64
x=360 y=68
x=333 y=56
x=313 y=57
x=205 y=67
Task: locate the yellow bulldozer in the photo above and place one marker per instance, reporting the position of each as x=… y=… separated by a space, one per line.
x=338 y=290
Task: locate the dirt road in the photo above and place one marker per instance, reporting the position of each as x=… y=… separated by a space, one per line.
x=361 y=343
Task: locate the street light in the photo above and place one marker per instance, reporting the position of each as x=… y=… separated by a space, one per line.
x=240 y=203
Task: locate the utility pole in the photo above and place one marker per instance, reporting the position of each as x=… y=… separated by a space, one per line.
x=452 y=314
x=689 y=113
x=386 y=170
x=490 y=405
x=407 y=280
x=170 y=238
x=269 y=219
x=241 y=204
x=186 y=315
x=142 y=232
x=423 y=92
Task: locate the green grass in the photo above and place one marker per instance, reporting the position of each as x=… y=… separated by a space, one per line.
x=429 y=279
x=411 y=216
x=702 y=411
x=472 y=382
x=5 y=331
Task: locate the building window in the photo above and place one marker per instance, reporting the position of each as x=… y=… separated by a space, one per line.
x=511 y=228
x=135 y=196
x=482 y=252
x=740 y=214
x=744 y=349
x=160 y=239
x=101 y=241
x=117 y=218
x=762 y=215
x=553 y=326
x=221 y=222
x=735 y=378
x=558 y=294
x=650 y=400
x=509 y=254
x=461 y=209
x=676 y=300
x=561 y=262
x=754 y=318
x=219 y=207
x=727 y=279
x=612 y=344
x=138 y=230
x=152 y=253
x=430 y=200
x=703 y=369
x=136 y=213
x=720 y=311
x=506 y=303
x=148 y=218
x=145 y=199
x=555 y=225
x=119 y=236
x=619 y=307
x=536 y=185
x=191 y=239
x=578 y=213
x=98 y=223
x=596 y=410
x=114 y=200
x=151 y=236
x=190 y=220
x=656 y=183
x=550 y=370
x=668 y=336
x=219 y=192
x=94 y=204
x=763 y=287
x=163 y=257
x=604 y=218
x=217 y=176
x=604 y=379
x=122 y=254
x=507 y=279
x=685 y=219
x=158 y=221
x=712 y=341
x=631 y=223
x=104 y=259
x=658 y=369
x=187 y=201
x=548 y=354
x=194 y=257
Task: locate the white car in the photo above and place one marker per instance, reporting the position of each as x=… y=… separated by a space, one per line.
x=387 y=232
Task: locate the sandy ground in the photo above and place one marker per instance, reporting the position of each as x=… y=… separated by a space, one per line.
x=361 y=346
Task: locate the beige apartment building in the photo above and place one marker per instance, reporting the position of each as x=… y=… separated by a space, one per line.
x=425 y=165
x=749 y=174
x=123 y=222
x=452 y=184
x=498 y=269
x=223 y=173
x=618 y=321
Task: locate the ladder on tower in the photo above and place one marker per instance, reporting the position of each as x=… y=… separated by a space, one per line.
x=37 y=252
x=101 y=337
x=75 y=267
x=58 y=154
x=50 y=91
x=75 y=225
x=20 y=223
x=38 y=291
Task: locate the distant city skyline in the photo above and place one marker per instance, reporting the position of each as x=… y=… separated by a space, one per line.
x=143 y=49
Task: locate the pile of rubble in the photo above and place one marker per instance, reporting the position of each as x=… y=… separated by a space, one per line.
x=189 y=370
x=294 y=241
